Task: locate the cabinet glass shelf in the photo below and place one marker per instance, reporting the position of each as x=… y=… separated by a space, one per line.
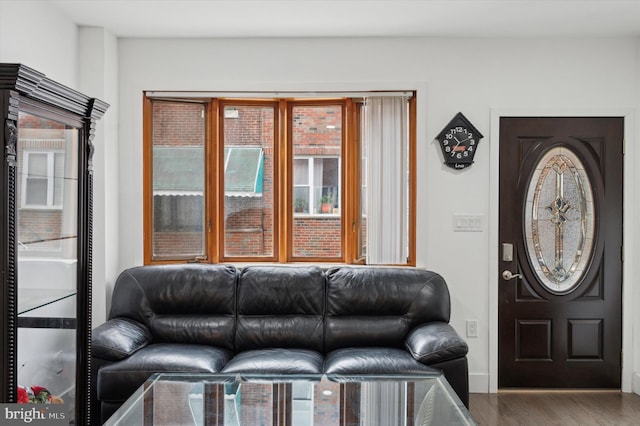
x=30 y=299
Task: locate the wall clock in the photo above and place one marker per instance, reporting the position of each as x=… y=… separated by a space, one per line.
x=459 y=141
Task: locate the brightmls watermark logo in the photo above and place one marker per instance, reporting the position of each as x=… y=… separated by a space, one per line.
x=34 y=414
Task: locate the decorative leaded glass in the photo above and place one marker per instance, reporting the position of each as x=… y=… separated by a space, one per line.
x=559 y=220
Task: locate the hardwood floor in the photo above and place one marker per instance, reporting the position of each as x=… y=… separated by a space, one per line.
x=562 y=408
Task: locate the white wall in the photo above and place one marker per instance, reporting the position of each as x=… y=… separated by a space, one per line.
x=98 y=76
x=475 y=76
x=38 y=35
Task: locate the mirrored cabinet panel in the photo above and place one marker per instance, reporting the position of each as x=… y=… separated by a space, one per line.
x=45 y=222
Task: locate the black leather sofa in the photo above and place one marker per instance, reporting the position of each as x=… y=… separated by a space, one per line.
x=273 y=319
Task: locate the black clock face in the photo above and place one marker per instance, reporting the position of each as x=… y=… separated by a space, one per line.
x=459 y=145
x=459 y=141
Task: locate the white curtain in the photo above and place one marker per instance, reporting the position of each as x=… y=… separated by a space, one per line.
x=387 y=149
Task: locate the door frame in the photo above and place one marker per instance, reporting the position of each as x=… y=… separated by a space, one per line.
x=630 y=209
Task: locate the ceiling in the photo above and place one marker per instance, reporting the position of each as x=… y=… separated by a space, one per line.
x=357 y=18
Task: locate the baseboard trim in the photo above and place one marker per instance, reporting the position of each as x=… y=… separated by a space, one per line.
x=478 y=383
x=571 y=391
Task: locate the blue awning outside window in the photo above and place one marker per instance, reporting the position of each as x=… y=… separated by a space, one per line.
x=180 y=171
x=243 y=171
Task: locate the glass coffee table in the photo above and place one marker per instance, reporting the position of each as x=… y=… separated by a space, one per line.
x=171 y=399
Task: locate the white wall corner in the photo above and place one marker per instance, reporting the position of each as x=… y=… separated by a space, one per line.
x=479 y=383
x=635 y=383
x=98 y=77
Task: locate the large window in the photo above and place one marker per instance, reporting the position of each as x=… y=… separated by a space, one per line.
x=273 y=180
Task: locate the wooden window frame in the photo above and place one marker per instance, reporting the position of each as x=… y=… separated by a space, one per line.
x=217 y=244
x=350 y=212
x=344 y=180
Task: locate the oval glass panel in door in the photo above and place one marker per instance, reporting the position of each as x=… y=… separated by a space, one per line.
x=559 y=220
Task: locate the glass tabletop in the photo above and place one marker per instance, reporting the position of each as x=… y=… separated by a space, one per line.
x=300 y=400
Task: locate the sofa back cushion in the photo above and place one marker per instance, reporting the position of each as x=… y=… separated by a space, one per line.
x=378 y=306
x=180 y=303
x=280 y=307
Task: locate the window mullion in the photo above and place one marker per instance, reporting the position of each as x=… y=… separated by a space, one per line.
x=215 y=208
x=412 y=181
x=284 y=173
x=353 y=183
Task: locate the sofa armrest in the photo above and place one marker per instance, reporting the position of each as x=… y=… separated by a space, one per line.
x=118 y=338
x=435 y=342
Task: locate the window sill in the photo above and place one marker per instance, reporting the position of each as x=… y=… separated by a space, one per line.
x=316 y=216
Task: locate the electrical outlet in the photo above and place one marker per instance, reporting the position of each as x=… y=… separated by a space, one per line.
x=472 y=328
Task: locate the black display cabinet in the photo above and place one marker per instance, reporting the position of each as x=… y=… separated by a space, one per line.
x=46 y=175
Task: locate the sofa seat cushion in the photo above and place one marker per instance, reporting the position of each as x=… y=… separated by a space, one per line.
x=276 y=361
x=347 y=361
x=117 y=381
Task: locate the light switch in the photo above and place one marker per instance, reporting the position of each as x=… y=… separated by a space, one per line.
x=467 y=223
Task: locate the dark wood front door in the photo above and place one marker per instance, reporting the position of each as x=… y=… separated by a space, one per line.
x=560 y=239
